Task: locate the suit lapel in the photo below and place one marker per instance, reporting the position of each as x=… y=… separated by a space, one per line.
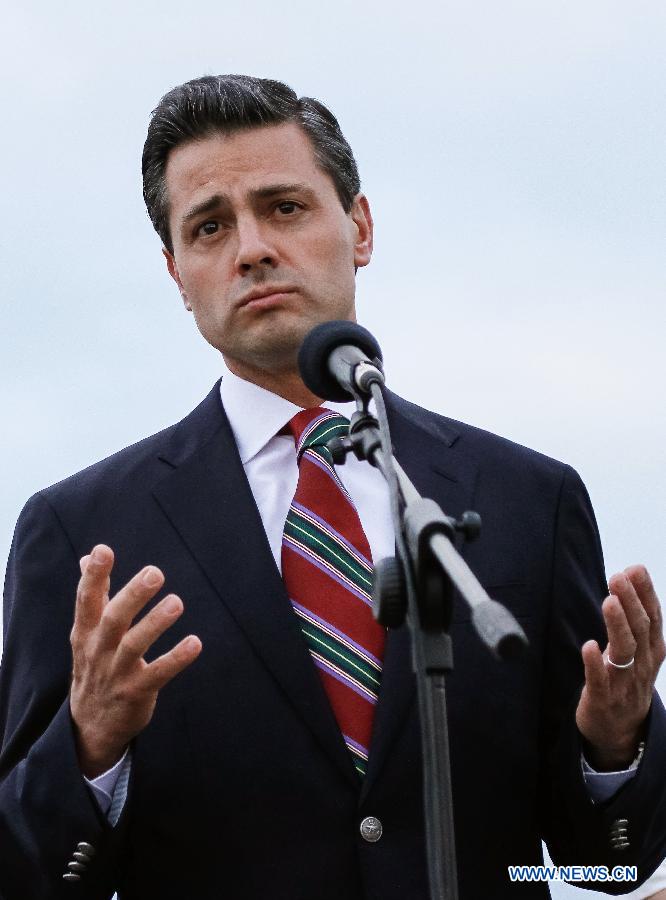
x=427 y=448
x=208 y=500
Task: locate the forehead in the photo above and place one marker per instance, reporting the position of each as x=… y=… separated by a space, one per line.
x=241 y=162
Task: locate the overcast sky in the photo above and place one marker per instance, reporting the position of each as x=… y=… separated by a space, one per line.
x=513 y=155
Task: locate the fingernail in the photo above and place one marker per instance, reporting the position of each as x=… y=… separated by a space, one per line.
x=172 y=604
x=151 y=577
x=98 y=554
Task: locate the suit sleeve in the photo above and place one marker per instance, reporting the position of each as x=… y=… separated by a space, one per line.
x=46 y=808
x=577 y=830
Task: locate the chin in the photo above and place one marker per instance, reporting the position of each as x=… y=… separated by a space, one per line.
x=275 y=351
x=273 y=340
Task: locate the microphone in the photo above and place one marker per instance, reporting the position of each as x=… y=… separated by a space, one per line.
x=340 y=360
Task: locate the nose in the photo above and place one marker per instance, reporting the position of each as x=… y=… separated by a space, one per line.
x=255 y=249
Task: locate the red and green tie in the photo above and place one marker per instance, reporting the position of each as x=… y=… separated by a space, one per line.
x=327 y=570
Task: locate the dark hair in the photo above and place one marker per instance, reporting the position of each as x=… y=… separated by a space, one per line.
x=231 y=103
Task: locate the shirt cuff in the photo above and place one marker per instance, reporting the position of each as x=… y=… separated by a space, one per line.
x=104 y=786
x=602 y=786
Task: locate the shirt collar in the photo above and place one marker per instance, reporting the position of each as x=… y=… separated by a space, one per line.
x=256 y=415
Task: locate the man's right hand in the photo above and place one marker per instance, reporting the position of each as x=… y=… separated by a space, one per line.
x=114 y=690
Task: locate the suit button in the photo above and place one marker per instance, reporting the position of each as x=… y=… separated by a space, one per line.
x=371 y=829
x=619 y=834
x=85 y=847
x=82 y=856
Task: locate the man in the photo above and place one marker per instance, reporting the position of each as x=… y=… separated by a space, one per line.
x=197 y=743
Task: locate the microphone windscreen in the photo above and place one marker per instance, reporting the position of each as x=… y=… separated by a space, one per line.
x=316 y=350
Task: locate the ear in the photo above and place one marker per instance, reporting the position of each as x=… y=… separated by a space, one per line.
x=173 y=271
x=362 y=218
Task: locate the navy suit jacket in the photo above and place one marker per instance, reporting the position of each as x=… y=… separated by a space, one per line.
x=241 y=785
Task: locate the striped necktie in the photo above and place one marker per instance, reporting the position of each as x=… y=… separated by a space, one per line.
x=327 y=571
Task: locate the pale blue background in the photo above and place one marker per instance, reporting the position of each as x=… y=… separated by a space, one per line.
x=513 y=155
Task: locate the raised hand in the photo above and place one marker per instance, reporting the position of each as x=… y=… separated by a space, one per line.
x=114 y=690
x=619 y=682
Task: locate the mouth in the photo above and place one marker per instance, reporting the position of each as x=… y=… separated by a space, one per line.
x=266 y=298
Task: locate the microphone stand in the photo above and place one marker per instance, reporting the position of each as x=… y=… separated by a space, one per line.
x=418 y=586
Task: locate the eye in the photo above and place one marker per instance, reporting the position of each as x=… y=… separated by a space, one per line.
x=288 y=207
x=207 y=228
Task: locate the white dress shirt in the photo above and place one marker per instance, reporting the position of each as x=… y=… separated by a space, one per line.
x=269 y=460
x=256 y=416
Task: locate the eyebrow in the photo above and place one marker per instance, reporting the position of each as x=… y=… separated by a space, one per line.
x=216 y=201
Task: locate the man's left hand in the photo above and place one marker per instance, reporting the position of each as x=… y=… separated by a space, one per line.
x=616 y=698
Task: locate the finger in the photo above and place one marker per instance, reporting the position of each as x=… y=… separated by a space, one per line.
x=165 y=667
x=642 y=583
x=637 y=617
x=83 y=565
x=93 y=588
x=621 y=642
x=596 y=672
x=127 y=604
x=143 y=635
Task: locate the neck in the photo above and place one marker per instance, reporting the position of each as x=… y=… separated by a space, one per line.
x=288 y=385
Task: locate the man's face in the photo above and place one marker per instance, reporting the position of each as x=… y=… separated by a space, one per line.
x=263 y=249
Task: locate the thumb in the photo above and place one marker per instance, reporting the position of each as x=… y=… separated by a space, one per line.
x=596 y=673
